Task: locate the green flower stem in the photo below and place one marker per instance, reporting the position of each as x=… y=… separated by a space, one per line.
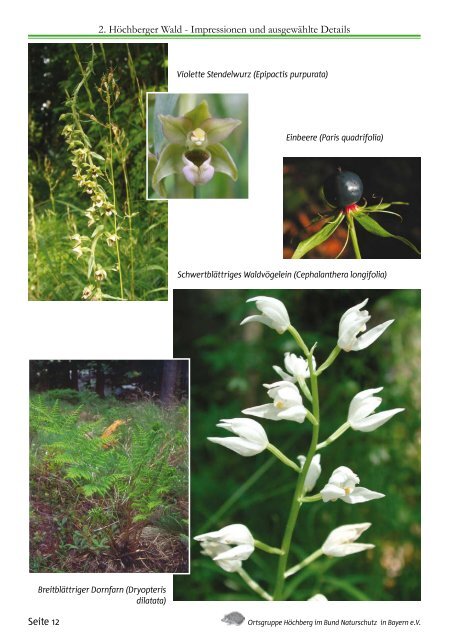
x=304 y=388
x=84 y=76
x=311 y=417
x=298 y=338
x=131 y=238
x=300 y=490
x=265 y=547
x=355 y=242
x=335 y=435
x=314 y=498
x=330 y=359
x=112 y=181
x=281 y=456
x=308 y=560
x=254 y=586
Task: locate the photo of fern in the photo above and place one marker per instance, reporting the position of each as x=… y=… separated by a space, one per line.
x=109 y=466
x=92 y=235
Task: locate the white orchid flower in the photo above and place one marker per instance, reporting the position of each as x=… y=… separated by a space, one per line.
x=78 y=251
x=296 y=368
x=342 y=486
x=228 y=547
x=287 y=403
x=250 y=440
x=274 y=314
x=342 y=541
x=314 y=471
x=317 y=598
x=361 y=414
x=353 y=322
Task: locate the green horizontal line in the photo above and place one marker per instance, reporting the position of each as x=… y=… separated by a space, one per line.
x=125 y=36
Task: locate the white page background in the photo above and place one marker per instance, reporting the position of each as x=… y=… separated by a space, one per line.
x=403 y=95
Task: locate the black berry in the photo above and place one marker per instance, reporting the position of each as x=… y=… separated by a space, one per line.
x=343 y=188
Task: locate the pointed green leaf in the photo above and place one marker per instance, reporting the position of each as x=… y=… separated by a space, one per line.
x=382 y=206
x=176 y=129
x=164 y=103
x=98 y=230
x=317 y=238
x=222 y=161
x=170 y=161
x=199 y=114
x=370 y=225
x=219 y=128
x=90 y=265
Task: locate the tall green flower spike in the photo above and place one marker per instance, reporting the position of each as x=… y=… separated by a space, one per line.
x=193 y=148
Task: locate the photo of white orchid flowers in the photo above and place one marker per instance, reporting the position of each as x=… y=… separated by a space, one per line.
x=305 y=444
x=197 y=145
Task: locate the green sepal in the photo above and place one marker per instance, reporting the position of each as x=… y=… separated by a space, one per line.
x=198 y=115
x=170 y=161
x=222 y=161
x=218 y=129
x=382 y=206
x=317 y=238
x=175 y=128
x=370 y=225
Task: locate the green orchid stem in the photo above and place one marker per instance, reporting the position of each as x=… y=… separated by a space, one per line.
x=299 y=491
x=112 y=181
x=297 y=567
x=265 y=547
x=330 y=360
x=355 y=242
x=304 y=387
x=298 y=338
x=281 y=456
x=314 y=498
x=254 y=586
x=311 y=417
x=335 y=435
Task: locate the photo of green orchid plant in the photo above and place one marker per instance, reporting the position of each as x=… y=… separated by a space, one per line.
x=351 y=208
x=92 y=236
x=197 y=146
x=310 y=489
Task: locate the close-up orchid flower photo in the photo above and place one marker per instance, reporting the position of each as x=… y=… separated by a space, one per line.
x=197 y=146
x=305 y=444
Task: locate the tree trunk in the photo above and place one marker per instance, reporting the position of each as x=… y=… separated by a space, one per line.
x=170 y=379
x=100 y=381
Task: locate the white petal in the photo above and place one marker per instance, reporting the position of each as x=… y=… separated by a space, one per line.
x=263 y=411
x=360 y=494
x=317 y=598
x=314 y=471
x=231 y=566
x=331 y=493
x=246 y=428
x=353 y=309
x=283 y=375
x=363 y=404
x=345 y=534
x=240 y=552
x=344 y=478
x=239 y=445
x=232 y=534
x=273 y=310
x=371 y=336
x=347 y=549
x=296 y=413
x=262 y=319
x=374 y=421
